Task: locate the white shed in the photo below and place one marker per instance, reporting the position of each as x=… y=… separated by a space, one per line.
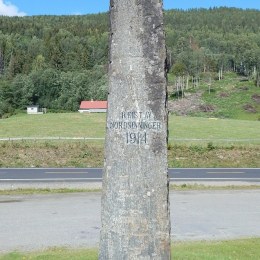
x=34 y=110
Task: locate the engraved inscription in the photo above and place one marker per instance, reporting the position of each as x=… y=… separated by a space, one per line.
x=135 y=126
x=136 y=138
x=156 y=125
x=135 y=115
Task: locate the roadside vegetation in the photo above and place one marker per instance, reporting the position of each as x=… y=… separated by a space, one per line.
x=173 y=187
x=90 y=154
x=226 y=250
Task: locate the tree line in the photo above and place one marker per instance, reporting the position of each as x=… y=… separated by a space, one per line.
x=57 y=61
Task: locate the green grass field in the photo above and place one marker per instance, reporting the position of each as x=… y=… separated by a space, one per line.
x=93 y=126
x=193 y=142
x=220 y=250
x=53 y=125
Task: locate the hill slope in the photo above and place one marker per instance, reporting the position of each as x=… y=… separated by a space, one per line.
x=232 y=97
x=57 y=61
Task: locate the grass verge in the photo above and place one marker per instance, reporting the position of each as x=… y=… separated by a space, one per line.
x=213 y=155
x=218 y=250
x=225 y=250
x=173 y=187
x=60 y=154
x=44 y=191
x=190 y=187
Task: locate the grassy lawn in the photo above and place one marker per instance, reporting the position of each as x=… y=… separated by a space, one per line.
x=93 y=125
x=213 y=129
x=219 y=250
x=53 y=125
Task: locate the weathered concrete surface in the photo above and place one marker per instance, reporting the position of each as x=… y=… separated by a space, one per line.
x=135 y=205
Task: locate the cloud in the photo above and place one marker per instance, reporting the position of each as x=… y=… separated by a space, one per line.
x=76 y=13
x=8 y=9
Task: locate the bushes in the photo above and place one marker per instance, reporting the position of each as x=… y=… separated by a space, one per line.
x=6 y=110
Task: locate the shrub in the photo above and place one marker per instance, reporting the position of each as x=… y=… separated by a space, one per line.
x=211 y=146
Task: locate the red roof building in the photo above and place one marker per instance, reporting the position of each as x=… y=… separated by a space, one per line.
x=93 y=106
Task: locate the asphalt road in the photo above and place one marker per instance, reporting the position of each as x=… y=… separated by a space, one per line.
x=95 y=174
x=33 y=222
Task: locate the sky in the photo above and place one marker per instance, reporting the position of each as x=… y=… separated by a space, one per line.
x=79 y=7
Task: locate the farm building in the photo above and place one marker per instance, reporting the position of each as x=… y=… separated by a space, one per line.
x=93 y=106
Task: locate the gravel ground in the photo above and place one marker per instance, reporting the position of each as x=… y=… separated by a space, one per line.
x=33 y=222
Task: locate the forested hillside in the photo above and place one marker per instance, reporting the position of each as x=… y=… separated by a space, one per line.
x=206 y=40
x=57 y=61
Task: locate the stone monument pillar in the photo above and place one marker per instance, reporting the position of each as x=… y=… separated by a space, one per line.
x=135 y=203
